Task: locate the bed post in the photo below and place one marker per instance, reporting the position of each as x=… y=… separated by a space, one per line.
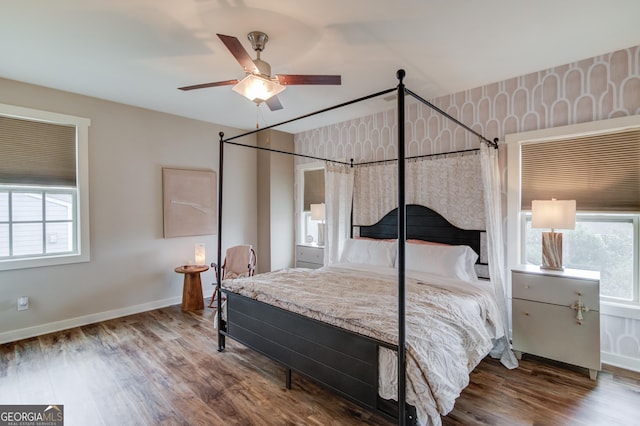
x=219 y=274
x=402 y=234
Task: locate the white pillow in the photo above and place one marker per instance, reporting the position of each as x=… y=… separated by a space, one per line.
x=447 y=261
x=369 y=252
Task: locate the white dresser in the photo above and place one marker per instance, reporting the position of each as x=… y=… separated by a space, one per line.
x=556 y=315
x=309 y=256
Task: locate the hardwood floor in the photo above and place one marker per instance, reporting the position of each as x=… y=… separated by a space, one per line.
x=162 y=367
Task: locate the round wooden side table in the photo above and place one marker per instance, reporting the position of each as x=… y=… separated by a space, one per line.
x=192 y=290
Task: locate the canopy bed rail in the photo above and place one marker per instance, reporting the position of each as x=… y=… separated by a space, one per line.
x=417 y=157
x=278 y=151
x=276 y=332
x=493 y=143
x=311 y=114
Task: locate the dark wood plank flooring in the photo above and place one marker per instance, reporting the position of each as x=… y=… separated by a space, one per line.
x=162 y=368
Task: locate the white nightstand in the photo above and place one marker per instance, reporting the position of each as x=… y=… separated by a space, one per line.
x=309 y=256
x=556 y=315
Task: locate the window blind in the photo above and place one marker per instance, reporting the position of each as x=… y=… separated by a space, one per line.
x=37 y=153
x=601 y=172
x=313 y=188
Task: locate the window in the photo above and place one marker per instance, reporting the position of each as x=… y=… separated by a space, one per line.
x=605 y=243
x=598 y=165
x=36 y=221
x=44 y=215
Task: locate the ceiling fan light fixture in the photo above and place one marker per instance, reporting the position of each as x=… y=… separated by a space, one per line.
x=258 y=89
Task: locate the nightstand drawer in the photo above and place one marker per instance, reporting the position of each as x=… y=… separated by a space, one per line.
x=553 y=332
x=303 y=264
x=555 y=289
x=310 y=254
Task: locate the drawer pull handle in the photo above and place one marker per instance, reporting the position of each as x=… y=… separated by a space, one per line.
x=526 y=313
x=579 y=307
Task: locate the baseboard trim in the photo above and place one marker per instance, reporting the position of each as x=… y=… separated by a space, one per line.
x=615 y=360
x=621 y=361
x=25 y=333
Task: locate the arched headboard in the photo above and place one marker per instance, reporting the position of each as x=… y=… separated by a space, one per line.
x=426 y=224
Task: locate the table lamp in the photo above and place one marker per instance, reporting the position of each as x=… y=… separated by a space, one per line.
x=199 y=254
x=553 y=214
x=318 y=213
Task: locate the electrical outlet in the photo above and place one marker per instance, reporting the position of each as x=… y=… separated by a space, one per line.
x=23 y=303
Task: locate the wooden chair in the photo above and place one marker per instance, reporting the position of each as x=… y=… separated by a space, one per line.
x=240 y=261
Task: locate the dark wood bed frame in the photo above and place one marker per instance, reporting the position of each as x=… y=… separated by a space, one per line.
x=344 y=361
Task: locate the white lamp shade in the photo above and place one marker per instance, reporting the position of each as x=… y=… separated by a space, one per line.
x=553 y=214
x=317 y=211
x=200 y=254
x=257 y=88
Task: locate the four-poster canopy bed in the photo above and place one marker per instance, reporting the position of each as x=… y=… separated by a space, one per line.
x=342 y=339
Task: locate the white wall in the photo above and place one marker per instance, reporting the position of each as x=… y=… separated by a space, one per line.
x=132 y=265
x=282 y=222
x=275 y=202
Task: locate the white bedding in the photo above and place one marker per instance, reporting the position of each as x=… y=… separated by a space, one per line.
x=450 y=324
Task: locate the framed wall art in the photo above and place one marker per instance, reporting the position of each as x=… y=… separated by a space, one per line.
x=189 y=200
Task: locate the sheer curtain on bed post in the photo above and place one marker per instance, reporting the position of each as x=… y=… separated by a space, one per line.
x=495 y=246
x=338 y=199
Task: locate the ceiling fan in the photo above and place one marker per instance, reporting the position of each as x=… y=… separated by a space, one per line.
x=258 y=85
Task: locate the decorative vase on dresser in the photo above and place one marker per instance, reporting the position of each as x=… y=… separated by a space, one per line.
x=556 y=315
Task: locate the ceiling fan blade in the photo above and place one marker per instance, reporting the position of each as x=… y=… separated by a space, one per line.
x=273 y=103
x=214 y=84
x=288 y=79
x=238 y=52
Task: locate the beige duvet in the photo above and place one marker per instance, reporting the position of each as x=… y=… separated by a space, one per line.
x=450 y=324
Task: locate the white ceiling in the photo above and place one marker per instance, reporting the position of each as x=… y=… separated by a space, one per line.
x=139 y=51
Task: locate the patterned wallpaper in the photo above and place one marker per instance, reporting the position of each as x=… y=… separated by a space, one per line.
x=598 y=88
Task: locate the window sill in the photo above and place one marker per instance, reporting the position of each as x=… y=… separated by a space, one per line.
x=37 y=262
x=620 y=310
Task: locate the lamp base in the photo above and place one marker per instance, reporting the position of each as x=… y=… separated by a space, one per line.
x=321 y=234
x=552 y=268
x=552 y=251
